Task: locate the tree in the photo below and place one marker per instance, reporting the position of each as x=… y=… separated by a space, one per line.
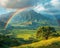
x=45 y=31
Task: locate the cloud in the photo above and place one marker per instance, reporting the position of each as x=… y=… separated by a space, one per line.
x=39 y=8
x=17 y=4
x=55 y=3
x=5 y=11
x=2 y=2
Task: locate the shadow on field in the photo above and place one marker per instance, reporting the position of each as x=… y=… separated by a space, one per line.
x=7 y=41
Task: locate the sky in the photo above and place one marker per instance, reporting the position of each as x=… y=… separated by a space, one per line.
x=39 y=6
x=44 y=7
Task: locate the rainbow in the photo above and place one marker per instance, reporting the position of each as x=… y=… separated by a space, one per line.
x=17 y=11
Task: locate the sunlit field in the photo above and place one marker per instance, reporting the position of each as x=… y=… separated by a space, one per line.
x=20 y=33
x=50 y=43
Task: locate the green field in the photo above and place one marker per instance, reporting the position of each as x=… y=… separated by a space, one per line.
x=24 y=38
x=23 y=33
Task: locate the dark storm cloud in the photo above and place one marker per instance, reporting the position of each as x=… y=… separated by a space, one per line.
x=17 y=4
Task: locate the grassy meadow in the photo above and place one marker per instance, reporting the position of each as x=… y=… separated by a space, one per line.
x=24 y=38
x=50 y=43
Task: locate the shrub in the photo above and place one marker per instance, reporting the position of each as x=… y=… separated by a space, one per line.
x=45 y=32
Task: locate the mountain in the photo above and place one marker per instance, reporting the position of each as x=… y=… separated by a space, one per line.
x=58 y=18
x=32 y=20
x=4 y=18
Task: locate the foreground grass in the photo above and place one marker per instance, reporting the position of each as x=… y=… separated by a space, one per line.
x=50 y=43
x=27 y=39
